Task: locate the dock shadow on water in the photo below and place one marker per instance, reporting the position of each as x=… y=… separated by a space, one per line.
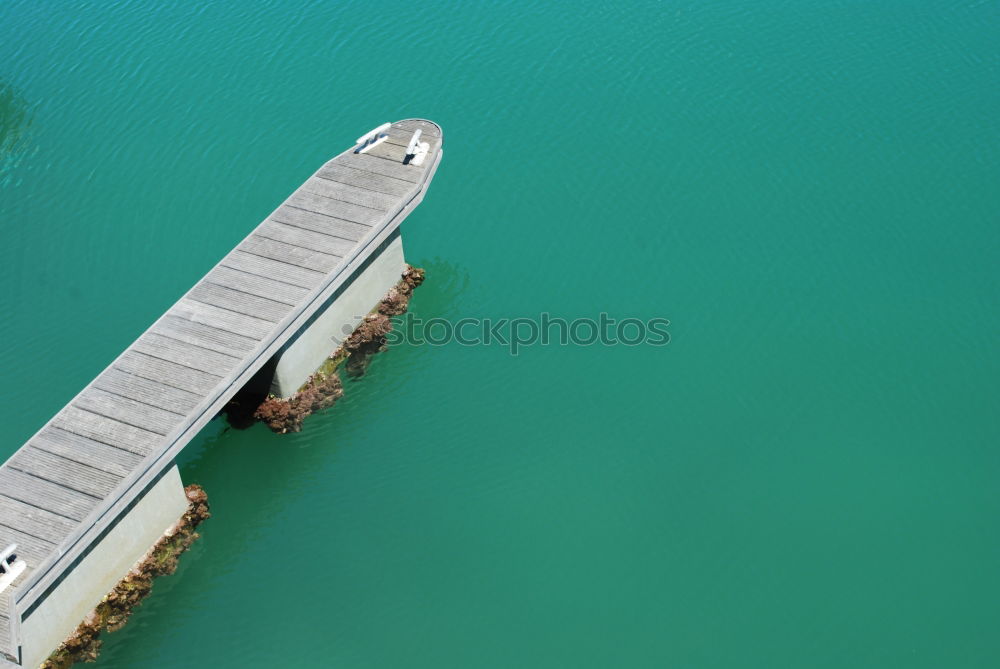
x=15 y=122
x=239 y=411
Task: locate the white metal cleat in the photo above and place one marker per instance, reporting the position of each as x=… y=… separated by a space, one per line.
x=372 y=138
x=10 y=566
x=416 y=150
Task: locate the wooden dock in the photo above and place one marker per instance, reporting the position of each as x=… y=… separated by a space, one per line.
x=73 y=478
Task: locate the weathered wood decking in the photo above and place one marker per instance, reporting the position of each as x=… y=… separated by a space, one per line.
x=81 y=470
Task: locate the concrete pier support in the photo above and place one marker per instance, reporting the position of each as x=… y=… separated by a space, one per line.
x=57 y=613
x=335 y=321
x=94 y=488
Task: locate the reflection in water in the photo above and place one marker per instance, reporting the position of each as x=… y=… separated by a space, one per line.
x=447 y=282
x=15 y=119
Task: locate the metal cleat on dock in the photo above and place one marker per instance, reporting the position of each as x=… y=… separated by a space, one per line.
x=10 y=566
x=372 y=138
x=416 y=150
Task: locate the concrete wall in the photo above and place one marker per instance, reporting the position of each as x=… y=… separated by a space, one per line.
x=65 y=607
x=338 y=318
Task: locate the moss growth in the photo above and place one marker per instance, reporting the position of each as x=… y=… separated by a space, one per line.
x=113 y=612
x=324 y=387
x=281 y=415
x=329 y=366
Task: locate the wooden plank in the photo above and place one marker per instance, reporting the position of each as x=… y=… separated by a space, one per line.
x=45 y=494
x=395 y=151
x=222 y=319
x=308 y=220
x=388 y=151
x=86 y=451
x=167 y=373
x=185 y=354
x=147 y=390
x=34 y=521
x=67 y=473
x=386 y=168
x=128 y=411
x=364 y=179
x=5 y=642
x=335 y=208
x=352 y=194
x=119 y=424
x=410 y=125
x=239 y=301
x=402 y=136
x=401 y=145
x=315 y=261
x=257 y=285
x=303 y=238
x=30 y=548
x=107 y=431
x=272 y=269
x=205 y=336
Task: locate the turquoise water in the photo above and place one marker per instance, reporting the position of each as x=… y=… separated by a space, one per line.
x=806 y=476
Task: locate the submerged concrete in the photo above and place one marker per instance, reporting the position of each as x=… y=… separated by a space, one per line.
x=84 y=644
x=323 y=387
x=58 y=612
x=343 y=313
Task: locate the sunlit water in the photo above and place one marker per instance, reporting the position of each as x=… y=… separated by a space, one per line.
x=806 y=476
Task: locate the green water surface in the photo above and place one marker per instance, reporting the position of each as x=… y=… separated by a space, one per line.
x=806 y=476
